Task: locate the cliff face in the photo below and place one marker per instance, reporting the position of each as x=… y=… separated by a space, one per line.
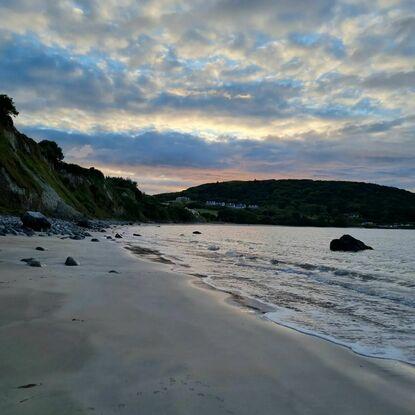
x=31 y=180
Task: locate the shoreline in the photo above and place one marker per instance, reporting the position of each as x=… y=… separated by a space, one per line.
x=246 y=302
x=176 y=319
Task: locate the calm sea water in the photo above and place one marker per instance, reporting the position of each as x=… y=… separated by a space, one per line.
x=363 y=300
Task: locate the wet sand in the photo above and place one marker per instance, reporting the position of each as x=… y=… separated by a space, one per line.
x=81 y=340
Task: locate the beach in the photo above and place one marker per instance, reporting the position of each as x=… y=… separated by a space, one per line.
x=146 y=340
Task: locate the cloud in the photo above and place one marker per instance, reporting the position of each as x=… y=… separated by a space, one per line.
x=347 y=154
x=200 y=86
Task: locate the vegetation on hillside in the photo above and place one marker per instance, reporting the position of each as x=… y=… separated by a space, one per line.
x=34 y=176
x=304 y=202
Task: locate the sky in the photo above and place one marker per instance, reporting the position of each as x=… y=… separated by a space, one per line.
x=177 y=93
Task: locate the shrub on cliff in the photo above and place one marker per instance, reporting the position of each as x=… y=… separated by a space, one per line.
x=7 y=108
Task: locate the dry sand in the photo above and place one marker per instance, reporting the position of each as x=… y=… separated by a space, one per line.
x=150 y=341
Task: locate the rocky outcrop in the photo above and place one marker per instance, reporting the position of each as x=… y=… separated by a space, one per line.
x=348 y=244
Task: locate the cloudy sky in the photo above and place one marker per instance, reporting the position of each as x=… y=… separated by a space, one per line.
x=177 y=93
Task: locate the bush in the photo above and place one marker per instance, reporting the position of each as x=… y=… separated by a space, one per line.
x=7 y=107
x=51 y=151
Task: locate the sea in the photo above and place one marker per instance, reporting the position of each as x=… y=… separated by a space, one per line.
x=364 y=301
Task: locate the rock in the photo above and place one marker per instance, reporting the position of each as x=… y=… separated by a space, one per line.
x=94 y=240
x=39 y=248
x=118 y=236
x=27 y=231
x=34 y=263
x=348 y=243
x=70 y=262
x=27 y=259
x=36 y=221
x=197 y=233
x=28 y=386
x=84 y=223
x=109 y=237
x=136 y=234
x=77 y=237
x=213 y=248
x=113 y=272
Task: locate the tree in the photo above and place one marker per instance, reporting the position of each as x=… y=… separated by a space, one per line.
x=7 y=107
x=51 y=151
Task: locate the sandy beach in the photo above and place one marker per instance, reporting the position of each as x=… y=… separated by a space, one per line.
x=144 y=340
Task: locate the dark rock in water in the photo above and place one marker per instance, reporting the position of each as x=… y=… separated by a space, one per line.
x=118 y=236
x=70 y=262
x=77 y=237
x=197 y=233
x=27 y=259
x=136 y=234
x=102 y=230
x=34 y=263
x=113 y=272
x=39 y=248
x=36 y=221
x=348 y=243
x=94 y=240
x=109 y=237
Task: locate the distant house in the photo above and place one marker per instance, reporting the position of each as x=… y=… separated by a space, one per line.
x=230 y=205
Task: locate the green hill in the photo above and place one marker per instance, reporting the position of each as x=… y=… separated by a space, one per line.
x=302 y=202
x=34 y=176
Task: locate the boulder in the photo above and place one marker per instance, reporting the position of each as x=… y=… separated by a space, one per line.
x=349 y=244
x=34 y=263
x=40 y=248
x=27 y=231
x=197 y=233
x=70 y=262
x=94 y=240
x=84 y=223
x=36 y=221
x=118 y=236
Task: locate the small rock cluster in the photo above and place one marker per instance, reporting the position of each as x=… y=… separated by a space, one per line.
x=13 y=225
